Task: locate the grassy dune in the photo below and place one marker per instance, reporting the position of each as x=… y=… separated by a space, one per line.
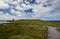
x=25 y=29
x=38 y=22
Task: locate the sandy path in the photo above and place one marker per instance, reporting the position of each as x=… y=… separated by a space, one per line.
x=53 y=33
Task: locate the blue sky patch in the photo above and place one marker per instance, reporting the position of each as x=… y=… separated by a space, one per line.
x=28 y=11
x=5 y=10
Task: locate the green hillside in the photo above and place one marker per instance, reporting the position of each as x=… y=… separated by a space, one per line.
x=25 y=29
x=37 y=22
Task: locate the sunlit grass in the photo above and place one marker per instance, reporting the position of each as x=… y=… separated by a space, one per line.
x=25 y=29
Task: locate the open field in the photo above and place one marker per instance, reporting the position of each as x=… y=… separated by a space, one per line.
x=38 y=22
x=25 y=29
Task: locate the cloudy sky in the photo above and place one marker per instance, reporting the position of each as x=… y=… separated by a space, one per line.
x=30 y=9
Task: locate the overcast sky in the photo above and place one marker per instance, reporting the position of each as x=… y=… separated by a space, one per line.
x=30 y=9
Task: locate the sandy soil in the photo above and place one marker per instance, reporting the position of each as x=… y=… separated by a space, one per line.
x=53 y=33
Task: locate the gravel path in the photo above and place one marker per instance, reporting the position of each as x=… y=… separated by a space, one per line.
x=53 y=33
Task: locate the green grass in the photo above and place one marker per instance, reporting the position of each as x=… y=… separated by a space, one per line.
x=30 y=32
x=38 y=22
x=58 y=28
x=25 y=29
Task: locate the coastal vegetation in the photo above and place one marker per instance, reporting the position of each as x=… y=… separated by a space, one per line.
x=25 y=29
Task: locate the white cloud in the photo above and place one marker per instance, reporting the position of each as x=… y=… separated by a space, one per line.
x=52 y=15
x=41 y=1
x=23 y=7
x=19 y=8
x=8 y=17
x=1 y=13
x=13 y=2
x=38 y=9
x=3 y=5
x=17 y=13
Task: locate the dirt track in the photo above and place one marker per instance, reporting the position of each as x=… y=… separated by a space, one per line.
x=53 y=33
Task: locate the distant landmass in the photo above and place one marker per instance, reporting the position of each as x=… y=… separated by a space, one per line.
x=2 y=21
x=54 y=21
